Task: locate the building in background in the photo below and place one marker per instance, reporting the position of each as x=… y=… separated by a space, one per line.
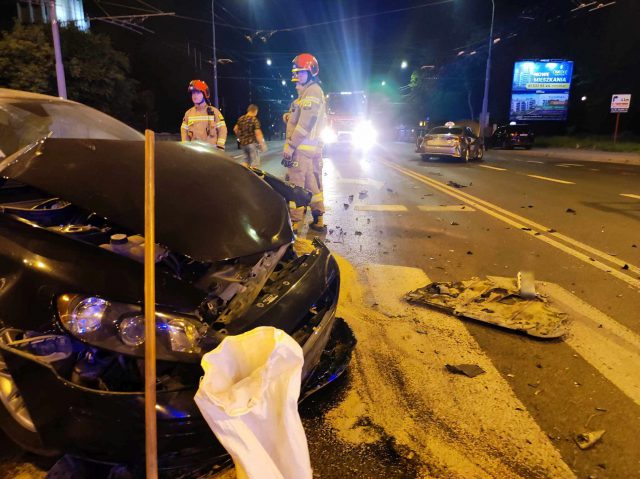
x=67 y=12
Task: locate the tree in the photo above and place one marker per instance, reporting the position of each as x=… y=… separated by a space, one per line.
x=96 y=74
x=26 y=59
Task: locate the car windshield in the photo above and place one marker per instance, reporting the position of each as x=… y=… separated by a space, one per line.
x=23 y=121
x=443 y=130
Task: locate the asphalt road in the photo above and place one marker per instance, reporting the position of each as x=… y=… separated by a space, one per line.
x=396 y=223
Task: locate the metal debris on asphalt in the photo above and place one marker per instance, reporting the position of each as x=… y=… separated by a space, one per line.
x=626 y=266
x=457 y=185
x=453 y=223
x=350 y=198
x=570 y=210
x=497 y=301
x=470 y=370
x=346 y=206
x=588 y=439
x=358 y=233
x=363 y=194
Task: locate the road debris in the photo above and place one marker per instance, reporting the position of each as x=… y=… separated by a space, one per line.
x=497 y=301
x=470 y=370
x=346 y=206
x=588 y=439
x=358 y=233
x=469 y=252
x=453 y=223
x=363 y=194
x=570 y=210
x=350 y=198
x=457 y=185
x=626 y=266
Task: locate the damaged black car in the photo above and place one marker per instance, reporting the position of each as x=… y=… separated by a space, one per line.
x=72 y=288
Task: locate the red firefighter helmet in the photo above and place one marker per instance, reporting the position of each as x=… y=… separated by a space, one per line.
x=199 y=85
x=304 y=61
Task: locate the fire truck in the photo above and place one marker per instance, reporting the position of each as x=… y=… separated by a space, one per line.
x=347 y=123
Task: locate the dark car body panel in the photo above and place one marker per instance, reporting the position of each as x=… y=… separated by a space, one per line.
x=207 y=206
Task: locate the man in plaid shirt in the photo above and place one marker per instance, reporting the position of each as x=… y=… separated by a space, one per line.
x=250 y=136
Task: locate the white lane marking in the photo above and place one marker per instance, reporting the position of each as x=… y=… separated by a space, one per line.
x=567 y=165
x=537 y=162
x=446 y=208
x=492 y=167
x=238 y=156
x=608 y=346
x=630 y=195
x=495 y=421
x=361 y=181
x=381 y=208
x=552 y=179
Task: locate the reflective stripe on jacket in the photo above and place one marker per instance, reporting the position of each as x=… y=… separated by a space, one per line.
x=204 y=125
x=306 y=119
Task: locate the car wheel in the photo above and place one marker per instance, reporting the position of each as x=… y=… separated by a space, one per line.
x=467 y=155
x=15 y=419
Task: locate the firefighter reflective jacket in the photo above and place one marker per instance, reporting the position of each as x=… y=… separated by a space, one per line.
x=206 y=124
x=306 y=119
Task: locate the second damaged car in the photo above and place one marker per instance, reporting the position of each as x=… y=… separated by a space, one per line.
x=71 y=293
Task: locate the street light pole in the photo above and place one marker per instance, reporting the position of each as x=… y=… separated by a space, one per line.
x=484 y=115
x=215 y=58
x=55 y=33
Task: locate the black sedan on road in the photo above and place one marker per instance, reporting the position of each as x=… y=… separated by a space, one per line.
x=71 y=283
x=510 y=136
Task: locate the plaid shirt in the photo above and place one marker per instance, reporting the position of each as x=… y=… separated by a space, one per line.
x=247 y=126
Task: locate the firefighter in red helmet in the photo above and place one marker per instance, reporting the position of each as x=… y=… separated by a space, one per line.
x=303 y=148
x=203 y=122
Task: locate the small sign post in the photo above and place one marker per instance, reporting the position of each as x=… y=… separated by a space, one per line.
x=619 y=104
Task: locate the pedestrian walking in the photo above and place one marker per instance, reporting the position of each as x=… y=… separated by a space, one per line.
x=203 y=122
x=250 y=136
x=304 y=123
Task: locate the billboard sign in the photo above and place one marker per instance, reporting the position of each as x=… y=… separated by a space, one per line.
x=620 y=103
x=540 y=90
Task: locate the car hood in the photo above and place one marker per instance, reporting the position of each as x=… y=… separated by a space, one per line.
x=207 y=206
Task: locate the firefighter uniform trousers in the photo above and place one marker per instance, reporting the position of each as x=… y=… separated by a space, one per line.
x=305 y=175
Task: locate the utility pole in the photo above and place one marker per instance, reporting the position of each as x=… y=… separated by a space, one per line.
x=62 y=85
x=484 y=115
x=215 y=58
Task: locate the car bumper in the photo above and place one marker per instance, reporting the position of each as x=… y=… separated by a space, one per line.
x=108 y=426
x=439 y=150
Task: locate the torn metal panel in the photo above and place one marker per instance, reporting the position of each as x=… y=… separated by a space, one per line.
x=494 y=300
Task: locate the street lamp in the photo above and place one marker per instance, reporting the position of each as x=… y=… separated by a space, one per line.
x=268 y=61
x=215 y=59
x=284 y=83
x=404 y=64
x=383 y=83
x=484 y=115
x=584 y=98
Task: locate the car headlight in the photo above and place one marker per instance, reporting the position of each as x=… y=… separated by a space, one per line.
x=328 y=136
x=364 y=135
x=120 y=327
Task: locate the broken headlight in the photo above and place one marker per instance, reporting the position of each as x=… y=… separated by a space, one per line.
x=119 y=327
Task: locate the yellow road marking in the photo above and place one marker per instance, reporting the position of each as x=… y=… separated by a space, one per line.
x=446 y=208
x=552 y=179
x=543 y=234
x=630 y=195
x=492 y=167
x=381 y=208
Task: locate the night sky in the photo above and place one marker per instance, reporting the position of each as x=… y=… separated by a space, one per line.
x=358 y=53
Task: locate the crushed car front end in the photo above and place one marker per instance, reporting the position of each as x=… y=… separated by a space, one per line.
x=71 y=341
